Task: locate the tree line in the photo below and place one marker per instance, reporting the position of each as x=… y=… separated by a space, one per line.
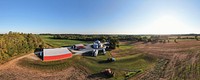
x=112 y=39
x=14 y=43
x=103 y=38
x=96 y=37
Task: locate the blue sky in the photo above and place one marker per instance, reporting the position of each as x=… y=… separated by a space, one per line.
x=100 y=16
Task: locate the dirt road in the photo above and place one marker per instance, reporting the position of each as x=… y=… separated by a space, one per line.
x=13 y=62
x=12 y=71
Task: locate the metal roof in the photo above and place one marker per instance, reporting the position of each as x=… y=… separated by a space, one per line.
x=56 y=51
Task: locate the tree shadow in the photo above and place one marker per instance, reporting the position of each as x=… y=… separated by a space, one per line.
x=98 y=75
x=145 y=42
x=132 y=42
x=104 y=61
x=65 y=46
x=153 y=42
x=87 y=53
x=40 y=57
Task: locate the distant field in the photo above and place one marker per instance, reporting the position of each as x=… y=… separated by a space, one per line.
x=60 y=42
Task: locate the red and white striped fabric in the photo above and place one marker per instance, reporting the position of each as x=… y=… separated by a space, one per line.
x=56 y=54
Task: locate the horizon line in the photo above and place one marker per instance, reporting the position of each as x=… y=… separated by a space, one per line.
x=108 y=33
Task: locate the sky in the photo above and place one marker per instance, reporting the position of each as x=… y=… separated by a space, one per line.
x=100 y=16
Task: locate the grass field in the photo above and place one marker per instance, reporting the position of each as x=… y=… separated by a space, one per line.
x=128 y=62
x=93 y=65
x=60 y=42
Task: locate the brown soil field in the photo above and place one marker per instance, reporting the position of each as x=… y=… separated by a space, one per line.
x=12 y=71
x=178 y=61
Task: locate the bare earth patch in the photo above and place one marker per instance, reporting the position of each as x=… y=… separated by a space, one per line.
x=12 y=71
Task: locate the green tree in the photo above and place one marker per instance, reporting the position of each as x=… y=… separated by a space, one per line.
x=14 y=43
x=196 y=37
x=114 y=42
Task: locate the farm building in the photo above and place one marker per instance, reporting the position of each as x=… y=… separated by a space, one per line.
x=106 y=45
x=95 y=52
x=53 y=54
x=78 y=46
x=97 y=44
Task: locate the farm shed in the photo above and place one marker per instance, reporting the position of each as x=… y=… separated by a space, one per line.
x=78 y=46
x=54 y=54
x=97 y=44
x=95 y=52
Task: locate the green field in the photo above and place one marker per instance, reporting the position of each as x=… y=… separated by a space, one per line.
x=93 y=65
x=60 y=42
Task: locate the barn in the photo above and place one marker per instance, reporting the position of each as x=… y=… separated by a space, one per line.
x=54 y=54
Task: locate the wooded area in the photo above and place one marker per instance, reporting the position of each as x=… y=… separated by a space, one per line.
x=13 y=43
x=96 y=37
